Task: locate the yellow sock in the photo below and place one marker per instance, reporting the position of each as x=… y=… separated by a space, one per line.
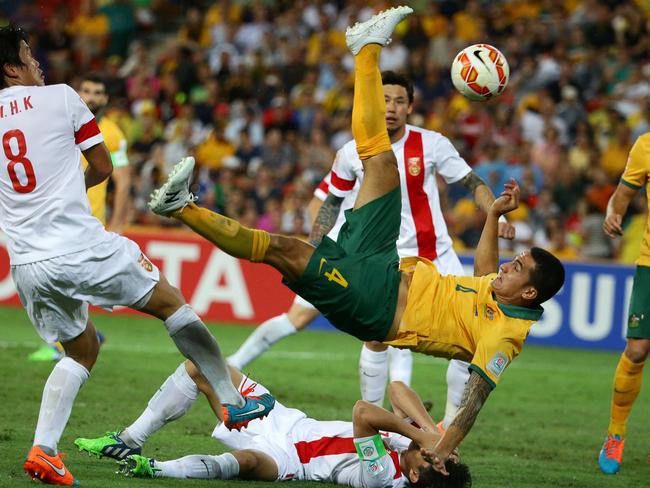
x=627 y=384
x=369 y=108
x=227 y=234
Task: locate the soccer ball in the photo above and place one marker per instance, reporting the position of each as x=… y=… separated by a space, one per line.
x=480 y=72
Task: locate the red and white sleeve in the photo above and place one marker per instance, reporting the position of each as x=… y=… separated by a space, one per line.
x=343 y=177
x=86 y=130
x=323 y=187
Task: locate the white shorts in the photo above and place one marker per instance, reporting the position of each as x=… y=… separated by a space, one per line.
x=449 y=264
x=271 y=435
x=56 y=292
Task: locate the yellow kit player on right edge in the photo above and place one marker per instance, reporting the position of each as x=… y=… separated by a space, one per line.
x=629 y=372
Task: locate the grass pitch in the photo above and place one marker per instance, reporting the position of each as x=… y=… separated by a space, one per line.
x=542 y=427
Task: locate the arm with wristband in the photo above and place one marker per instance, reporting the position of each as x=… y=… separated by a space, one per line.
x=369 y=419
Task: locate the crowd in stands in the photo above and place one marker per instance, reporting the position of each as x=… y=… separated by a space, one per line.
x=260 y=92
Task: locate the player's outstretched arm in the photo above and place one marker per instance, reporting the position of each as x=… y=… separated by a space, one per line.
x=100 y=165
x=616 y=208
x=325 y=219
x=407 y=403
x=486 y=259
x=368 y=419
x=476 y=392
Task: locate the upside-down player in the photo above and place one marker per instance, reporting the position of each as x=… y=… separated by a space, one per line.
x=357 y=283
x=422 y=155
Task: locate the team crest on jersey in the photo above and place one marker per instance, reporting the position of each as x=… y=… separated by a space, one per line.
x=414 y=165
x=145 y=263
x=489 y=313
x=497 y=364
x=374 y=468
x=634 y=321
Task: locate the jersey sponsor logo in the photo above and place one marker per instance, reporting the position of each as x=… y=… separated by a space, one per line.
x=145 y=263
x=414 y=165
x=497 y=364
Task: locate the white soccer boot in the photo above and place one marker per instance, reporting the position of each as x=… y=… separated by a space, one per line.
x=376 y=30
x=175 y=193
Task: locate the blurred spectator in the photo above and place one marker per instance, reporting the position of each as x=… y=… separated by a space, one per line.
x=595 y=244
x=214 y=148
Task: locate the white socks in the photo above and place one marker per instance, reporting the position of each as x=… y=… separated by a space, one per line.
x=457 y=376
x=263 y=337
x=195 y=342
x=174 y=398
x=60 y=391
x=198 y=466
x=374 y=368
x=373 y=375
x=400 y=364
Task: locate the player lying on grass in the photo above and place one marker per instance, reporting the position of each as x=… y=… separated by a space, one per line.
x=358 y=282
x=288 y=445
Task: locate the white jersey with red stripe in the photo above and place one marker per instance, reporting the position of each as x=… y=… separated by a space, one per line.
x=315 y=450
x=420 y=155
x=44 y=209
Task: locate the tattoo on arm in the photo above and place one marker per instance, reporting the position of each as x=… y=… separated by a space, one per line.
x=325 y=219
x=474 y=396
x=472 y=181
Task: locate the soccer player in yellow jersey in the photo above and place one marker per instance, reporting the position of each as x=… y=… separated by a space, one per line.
x=358 y=283
x=93 y=91
x=627 y=379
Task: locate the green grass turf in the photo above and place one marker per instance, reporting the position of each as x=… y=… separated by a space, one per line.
x=542 y=427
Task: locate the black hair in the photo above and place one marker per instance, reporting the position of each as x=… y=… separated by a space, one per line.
x=548 y=275
x=392 y=78
x=10 y=39
x=459 y=477
x=94 y=78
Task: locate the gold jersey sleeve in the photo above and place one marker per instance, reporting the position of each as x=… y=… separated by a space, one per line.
x=458 y=317
x=637 y=175
x=117 y=146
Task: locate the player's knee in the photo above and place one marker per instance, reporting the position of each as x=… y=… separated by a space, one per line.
x=376 y=346
x=386 y=158
x=247 y=461
x=192 y=371
x=84 y=351
x=300 y=317
x=396 y=388
x=637 y=350
x=165 y=300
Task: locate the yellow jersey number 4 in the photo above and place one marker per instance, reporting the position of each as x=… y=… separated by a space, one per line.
x=334 y=275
